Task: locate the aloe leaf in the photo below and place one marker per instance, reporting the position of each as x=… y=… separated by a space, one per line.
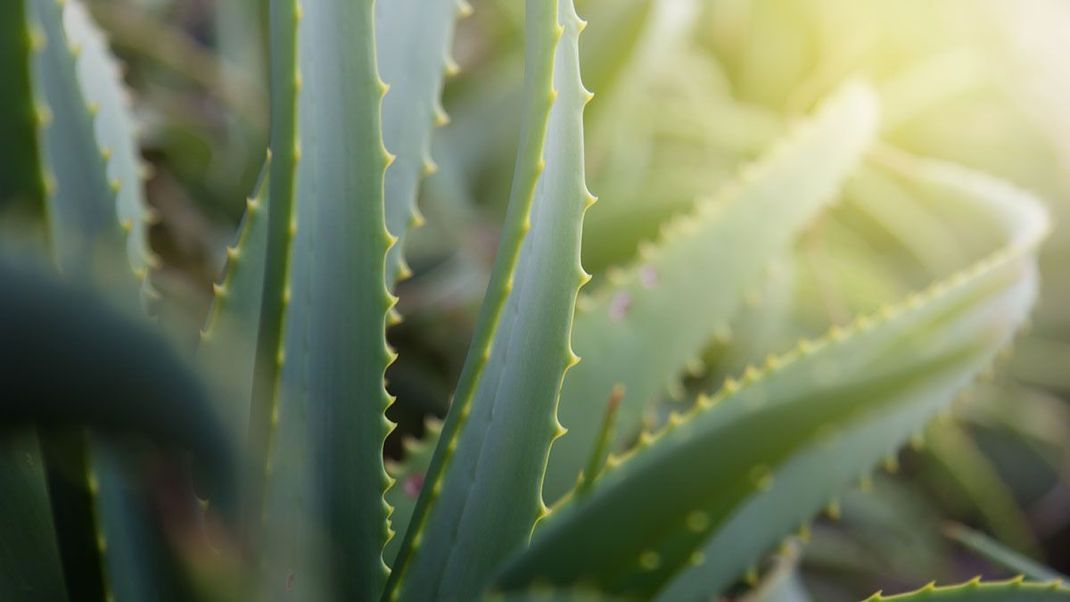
x=228 y=341
x=414 y=39
x=683 y=292
x=81 y=201
x=794 y=434
x=976 y=590
x=21 y=183
x=64 y=451
x=29 y=552
x=497 y=460
x=65 y=328
x=542 y=33
x=90 y=243
x=101 y=86
x=284 y=153
x=324 y=505
x=409 y=476
x=30 y=557
x=996 y=552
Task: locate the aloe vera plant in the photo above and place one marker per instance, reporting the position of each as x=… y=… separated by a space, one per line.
x=255 y=468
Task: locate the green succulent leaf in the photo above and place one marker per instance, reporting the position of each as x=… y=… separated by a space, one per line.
x=86 y=232
x=283 y=155
x=21 y=183
x=541 y=39
x=653 y=320
x=100 y=517
x=98 y=195
x=102 y=512
x=90 y=156
x=776 y=448
x=496 y=461
x=66 y=329
x=30 y=557
x=414 y=39
x=324 y=508
x=228 y=342
x=976 y=590
x=108 y=101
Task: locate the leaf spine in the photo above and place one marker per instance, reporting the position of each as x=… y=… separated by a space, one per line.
x=698 y=521
x=451 y=67
x=649 y=560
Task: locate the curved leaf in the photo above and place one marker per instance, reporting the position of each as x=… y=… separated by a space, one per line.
x=29 y=554
x=62 y=329
x=775 y=449
x=643 y=331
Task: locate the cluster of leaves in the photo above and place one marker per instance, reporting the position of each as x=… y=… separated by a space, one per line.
x=662 y=487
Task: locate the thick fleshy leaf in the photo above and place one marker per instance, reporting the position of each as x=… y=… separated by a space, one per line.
x=414 y=39
x=651 y=322
x=228 y=342
x=778 y=447
x=30 y=556
x=21 y=182
x=86 y=235
x=65 y=329
x=542 y=33
x=90 y=158
x=323 y=506
x=101 y=85
x=31 y=561
x=497 y=459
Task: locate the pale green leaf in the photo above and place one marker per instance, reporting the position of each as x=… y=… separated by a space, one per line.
x=498 y=458
x=682 y=293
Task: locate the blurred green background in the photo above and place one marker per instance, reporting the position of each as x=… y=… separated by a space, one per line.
x=687 y=92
